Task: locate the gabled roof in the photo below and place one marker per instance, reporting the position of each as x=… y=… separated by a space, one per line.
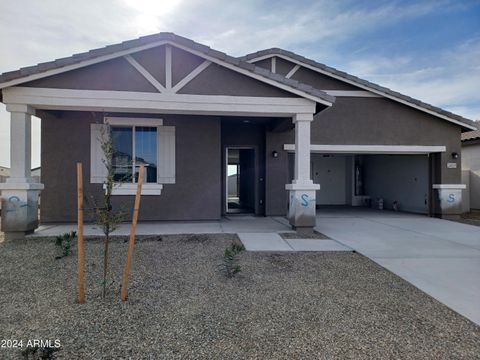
x=471 y=135
x=45 y=69
x=367 y=85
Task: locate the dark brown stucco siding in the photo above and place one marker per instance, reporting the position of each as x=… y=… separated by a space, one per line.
x=320 y=81
x=283 y=66
x=153 y=60
x=276 y=197
x=116 y=74
x=196 y=195
x=364 y=121
x=379 y=121
x=265 y=63
x=182 y=64
x=217 y=80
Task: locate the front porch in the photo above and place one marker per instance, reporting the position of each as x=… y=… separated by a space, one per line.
x=228 y=225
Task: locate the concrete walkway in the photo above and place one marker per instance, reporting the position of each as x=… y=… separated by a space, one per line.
x=440 y=257
x=275 y=243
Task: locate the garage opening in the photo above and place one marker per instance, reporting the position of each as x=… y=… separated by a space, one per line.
x=382 y=181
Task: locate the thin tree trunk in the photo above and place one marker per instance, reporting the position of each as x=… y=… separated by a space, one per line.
x=105 y=265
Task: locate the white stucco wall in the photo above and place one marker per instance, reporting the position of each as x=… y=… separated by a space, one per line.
x=471 y=163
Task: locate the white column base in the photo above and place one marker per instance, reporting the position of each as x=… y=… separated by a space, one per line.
x=449 y=198
x=302 y=201
x=19 y=208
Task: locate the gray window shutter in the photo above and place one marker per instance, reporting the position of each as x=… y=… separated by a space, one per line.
x=98 y=171
x=166 y=155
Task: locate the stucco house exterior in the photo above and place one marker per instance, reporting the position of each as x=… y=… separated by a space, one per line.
x=471 y=168
x=299 y=134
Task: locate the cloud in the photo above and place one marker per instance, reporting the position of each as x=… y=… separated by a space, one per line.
x=451 y=82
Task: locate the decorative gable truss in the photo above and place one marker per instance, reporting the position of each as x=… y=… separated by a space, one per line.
x=168 y=88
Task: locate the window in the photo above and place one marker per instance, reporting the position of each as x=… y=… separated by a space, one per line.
x=136 y=141
x=133 y=146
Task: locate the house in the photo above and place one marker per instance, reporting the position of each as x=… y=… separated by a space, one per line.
x=301 y=133
x=471 y=169
x=4 y=173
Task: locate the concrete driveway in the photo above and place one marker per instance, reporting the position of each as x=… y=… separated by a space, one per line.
x=440 y=257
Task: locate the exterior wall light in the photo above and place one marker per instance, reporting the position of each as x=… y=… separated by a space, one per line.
x=454 y=155
x=275 y=153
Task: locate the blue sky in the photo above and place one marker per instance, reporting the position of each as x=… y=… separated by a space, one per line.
x=426 y=49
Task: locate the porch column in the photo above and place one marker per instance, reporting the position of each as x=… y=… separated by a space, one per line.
x=19 y=194
x=301 y=212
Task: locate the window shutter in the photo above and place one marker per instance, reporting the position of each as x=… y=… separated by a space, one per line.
x=166 y=155
x=98 y=171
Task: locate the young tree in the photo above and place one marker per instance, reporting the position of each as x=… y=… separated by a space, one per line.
x=105 y=216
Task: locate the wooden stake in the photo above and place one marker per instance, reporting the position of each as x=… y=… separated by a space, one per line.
x=81 y=253
x=131 y=242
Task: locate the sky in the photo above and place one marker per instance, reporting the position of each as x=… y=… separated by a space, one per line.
x=429 y=50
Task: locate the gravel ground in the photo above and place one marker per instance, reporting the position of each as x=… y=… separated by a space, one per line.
x=471 y=218
x=295 y=235
x=288 y=305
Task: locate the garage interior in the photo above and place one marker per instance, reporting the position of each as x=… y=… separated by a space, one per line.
x=382 y=181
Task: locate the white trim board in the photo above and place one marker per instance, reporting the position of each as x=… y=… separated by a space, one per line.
x=371 y=149
x=154 y=82
x=129 y=121
x=99 y=100
x=131 y=189
x=293 y=71
x=449 y=186
x=365 y=87
x=192 y=75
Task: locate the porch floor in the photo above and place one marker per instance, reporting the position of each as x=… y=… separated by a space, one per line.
x=231 y=224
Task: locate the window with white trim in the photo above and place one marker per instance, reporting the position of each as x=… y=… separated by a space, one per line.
x=133 y=146
x=135 y=141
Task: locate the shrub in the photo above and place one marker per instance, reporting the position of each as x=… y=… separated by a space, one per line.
x=39 y=353
x=230 y=265
x=64 y=243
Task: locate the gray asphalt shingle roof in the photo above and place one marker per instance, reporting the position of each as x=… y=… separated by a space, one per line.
x=357 y=80
x=163 y=36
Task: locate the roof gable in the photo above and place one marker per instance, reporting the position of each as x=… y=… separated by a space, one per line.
x=134 y=47
x=262 y=55
x=116 y=74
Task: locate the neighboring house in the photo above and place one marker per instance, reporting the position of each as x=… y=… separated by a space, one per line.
x=4 y=173
x=183 y=109
x=36 y=174
x=471 y=168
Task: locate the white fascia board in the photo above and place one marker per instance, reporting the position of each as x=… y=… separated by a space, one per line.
x=99 y=100
x=371 y=149
x=391 y=97
x=80 y=64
